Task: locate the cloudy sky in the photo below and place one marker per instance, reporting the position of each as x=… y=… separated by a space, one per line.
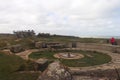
x=69 y=17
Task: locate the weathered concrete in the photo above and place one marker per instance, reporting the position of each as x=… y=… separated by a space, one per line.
x=16 y=48
x=50 y=45
x=7 y=51
x=56 y=71
x=105 y=47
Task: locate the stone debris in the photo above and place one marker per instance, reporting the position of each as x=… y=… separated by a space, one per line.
x=90 y=78
x=16 y=48
x=41 y=61
x=56 y=71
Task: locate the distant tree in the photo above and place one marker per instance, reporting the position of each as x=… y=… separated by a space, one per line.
x=24 y=34
x=43 y=35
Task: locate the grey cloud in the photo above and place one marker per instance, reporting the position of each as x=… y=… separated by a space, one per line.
x=74 y=17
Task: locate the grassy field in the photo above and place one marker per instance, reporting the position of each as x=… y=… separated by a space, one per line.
x=96 y=59
x=9 y=66
x=29 y=42
x=76 y=39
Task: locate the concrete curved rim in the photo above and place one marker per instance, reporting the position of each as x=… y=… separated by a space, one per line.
x=75 y=56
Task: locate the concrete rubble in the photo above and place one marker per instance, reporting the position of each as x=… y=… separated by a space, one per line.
x=56 y=71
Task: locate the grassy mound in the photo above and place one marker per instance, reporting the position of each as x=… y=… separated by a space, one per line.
x=91 y=58
x=9 y=66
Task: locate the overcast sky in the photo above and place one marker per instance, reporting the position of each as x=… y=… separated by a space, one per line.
x=69 y=17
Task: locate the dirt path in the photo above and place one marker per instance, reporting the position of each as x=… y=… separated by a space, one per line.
x=26 y=53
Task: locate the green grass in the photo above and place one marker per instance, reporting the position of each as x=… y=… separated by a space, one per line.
x=71 y=39
x=9 y=66
x=42 y=54
x=28 y=43
x=96 y=59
